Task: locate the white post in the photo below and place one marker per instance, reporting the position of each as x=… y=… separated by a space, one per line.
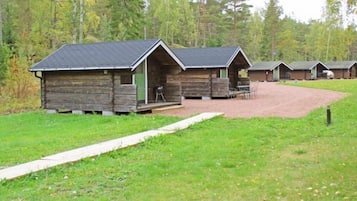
x=146 y=81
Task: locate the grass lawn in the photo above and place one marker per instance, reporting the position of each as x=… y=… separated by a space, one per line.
x=219 y=159
x=32 y=135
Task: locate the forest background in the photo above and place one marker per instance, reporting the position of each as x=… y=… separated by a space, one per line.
x=32 y=29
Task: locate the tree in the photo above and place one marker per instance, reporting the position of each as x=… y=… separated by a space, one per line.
x=315 y=41
x=4 y=56
x=333 y=19
x=289 y=48
x=126 y=19
x=74 y=22
x=270 y=30
x=352 y=6
x=8 y=26
x=81 y=17
x=0 y=23
x=215 y=24
x=236 y=14
x=255 y=35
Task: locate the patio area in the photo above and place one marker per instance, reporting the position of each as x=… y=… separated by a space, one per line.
x=271 y=100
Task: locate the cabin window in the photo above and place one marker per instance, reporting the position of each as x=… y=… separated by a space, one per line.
x=223 y=73
x=126 y=79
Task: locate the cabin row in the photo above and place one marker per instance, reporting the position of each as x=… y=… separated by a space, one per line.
x=304 y=70
x=135 y=76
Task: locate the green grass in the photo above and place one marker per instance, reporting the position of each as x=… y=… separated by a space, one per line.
x=219 y=159
x=32 y=135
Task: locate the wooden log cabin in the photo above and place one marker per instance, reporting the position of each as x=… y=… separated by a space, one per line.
x=269 y=71
x=109 y=77
x=211 y=72
x=308 y=70
x=343 y=69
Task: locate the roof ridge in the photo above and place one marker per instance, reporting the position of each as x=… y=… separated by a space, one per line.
x=108 y=42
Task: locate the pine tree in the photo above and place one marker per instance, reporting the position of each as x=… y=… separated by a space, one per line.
x=127 y=19
x=270 y=30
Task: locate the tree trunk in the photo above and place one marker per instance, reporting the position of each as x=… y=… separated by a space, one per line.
x=74 y=22
x=81 y=16
x=53 y=22
x=0 y=23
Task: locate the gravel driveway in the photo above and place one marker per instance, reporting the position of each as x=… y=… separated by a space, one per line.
x=271 y=100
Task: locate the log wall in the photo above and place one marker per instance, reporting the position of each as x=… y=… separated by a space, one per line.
x=301 y=75
x=43 y=91
x=340 y=73
x=220 y=87
x=154 y=79
x=194 y=82
x=354 y=71
x=125 y=98
x=260 y=76
x=284 y=72
x=78 y=90
x=173 y=92
x=104 y=90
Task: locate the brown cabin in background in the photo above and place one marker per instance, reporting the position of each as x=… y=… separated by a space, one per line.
x=343 y=69
x=307 y=70
x=109 y=77
x=211 y=72
x=269 y=71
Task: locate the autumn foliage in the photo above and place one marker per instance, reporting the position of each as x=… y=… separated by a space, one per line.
x=21 y=89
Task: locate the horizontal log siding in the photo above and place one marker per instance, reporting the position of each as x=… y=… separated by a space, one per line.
x=125 y=98
x=173 y=92
x=341 y=73
x=78 y=90
x=354 y=71
x=154 y=78
x=301 y=75
x=195 y=82
x=259 y=76
x=284 y=73
x=220 y=87
x=43 y=91
x=172 y=88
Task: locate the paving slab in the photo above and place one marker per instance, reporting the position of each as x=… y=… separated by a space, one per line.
x=98 y=149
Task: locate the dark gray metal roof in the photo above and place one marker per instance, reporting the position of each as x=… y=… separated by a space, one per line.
x=268 y=65
x=341 y=64
x=211 y=57
x=105 y=55
x=305 y=65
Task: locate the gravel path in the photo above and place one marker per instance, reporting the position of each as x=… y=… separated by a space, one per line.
x=271 y=100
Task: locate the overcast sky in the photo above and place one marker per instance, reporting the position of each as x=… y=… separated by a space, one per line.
x=302 y=10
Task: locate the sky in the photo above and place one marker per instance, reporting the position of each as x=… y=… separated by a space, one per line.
x=302 y=10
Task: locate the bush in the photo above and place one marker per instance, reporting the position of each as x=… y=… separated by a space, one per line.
x=21 y=89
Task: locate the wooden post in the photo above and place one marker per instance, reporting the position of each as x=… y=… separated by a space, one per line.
x=328 y=115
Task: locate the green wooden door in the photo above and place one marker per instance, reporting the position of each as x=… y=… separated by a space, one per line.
x=223 y=73
x=140 y=82
x=276 y=74
x=314 y=73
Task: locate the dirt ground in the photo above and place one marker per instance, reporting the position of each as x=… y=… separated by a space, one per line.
x=271 y=100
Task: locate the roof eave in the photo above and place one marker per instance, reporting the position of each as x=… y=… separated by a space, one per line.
x=287 y=65
x=207 y=66
x=236 y=52
x=81 y=68
x=150 y=50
